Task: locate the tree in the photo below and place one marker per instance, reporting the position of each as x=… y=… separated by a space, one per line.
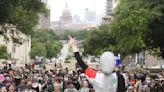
x=98 y=41
x=64 y=35
x=3 y=53
x=48 y=41
x=53 y=48
x=45 y=35
x=156 y=35
x=79 y=34
x=22 y=14
x=38 y=49
x=130 y=25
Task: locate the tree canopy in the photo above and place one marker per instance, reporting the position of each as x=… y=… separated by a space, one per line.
x=22 y=14
x=3 y=53
x=137 y=26
x=156 y=35
x=45 y=43
x=38 y=49
x=98 y=41
x=131 y=25
x=79 y=34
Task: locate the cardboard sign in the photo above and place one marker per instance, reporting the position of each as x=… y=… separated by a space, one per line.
x=2 y=78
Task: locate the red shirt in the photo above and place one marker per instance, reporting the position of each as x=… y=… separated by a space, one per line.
x=33 y=65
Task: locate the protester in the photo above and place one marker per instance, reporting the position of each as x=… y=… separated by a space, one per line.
x=70 y=87
x=106 y=80
x=84 y=86
x=28 y=79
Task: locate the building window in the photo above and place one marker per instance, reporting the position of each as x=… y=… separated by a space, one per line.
x=141 y=58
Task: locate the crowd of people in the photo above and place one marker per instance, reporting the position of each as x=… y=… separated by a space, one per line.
x=29 y=80
x=109 y=78
x=139 y=81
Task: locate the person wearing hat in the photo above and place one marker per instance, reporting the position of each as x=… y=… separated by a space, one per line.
x=105 y=80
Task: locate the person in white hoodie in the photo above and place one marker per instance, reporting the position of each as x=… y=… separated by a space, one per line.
x=105 y=80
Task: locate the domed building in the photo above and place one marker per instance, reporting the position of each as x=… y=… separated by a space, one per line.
x=66 y=17
x=67 y=22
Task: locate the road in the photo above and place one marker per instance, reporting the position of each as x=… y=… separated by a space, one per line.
x=64 y=52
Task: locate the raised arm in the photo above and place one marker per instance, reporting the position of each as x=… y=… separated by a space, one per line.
x=73 y=44
x=88 y=71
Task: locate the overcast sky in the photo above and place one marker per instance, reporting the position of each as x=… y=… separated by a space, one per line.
x=77 y=7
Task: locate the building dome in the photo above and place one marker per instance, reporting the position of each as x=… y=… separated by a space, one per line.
x=66 y=12
x=66 y=17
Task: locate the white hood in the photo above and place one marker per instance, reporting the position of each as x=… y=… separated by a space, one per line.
x=107 y=62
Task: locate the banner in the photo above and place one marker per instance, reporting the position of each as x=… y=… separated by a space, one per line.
x=118 y=60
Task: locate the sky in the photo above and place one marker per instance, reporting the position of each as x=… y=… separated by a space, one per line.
x=77 y=7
